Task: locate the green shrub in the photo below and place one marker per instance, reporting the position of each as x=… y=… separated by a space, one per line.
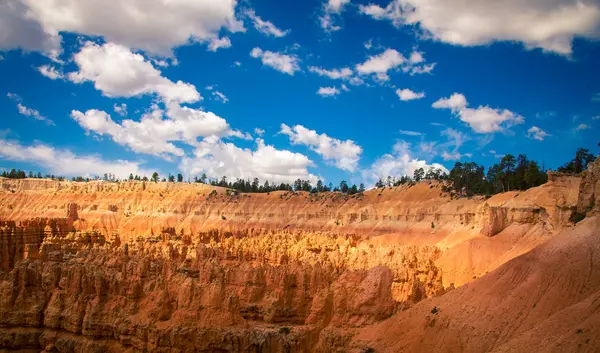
x=285 y=330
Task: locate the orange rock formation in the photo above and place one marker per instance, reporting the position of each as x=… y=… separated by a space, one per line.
x=165 y=267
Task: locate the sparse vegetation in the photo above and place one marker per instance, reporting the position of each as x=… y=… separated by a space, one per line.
x=435 y=310
x=285 y=330
x=432 y=225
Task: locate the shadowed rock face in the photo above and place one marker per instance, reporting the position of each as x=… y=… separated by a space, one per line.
x=163 y=267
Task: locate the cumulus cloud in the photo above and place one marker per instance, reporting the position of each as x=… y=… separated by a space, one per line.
x=344 y=154
x=328 y=91
x=379 y=65
x=482 y=119
x=408 y=95
x=217 y=158
x=536 y=133
x=21 y=30
x=51 y=72
x=218 y=43
x=265 y=27
x=65 y=162
x=287 y=64
x=455 y=102
x=334 y=74
x=155 y=26
x=120 y=109
x=28 y=112
x=331 y=11
x=396 y=164
x=549 y=25
x=345 y=74
x=157 y=130
x=118 y=72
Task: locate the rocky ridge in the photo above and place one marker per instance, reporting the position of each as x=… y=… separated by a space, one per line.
x=163 y=267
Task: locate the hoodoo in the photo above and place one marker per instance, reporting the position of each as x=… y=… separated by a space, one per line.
x=173 y=267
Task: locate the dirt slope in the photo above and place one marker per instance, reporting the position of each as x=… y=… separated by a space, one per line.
x=547 y=300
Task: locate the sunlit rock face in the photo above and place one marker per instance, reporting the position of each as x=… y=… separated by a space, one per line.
x=174 y=267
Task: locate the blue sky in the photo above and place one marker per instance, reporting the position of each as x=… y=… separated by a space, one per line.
x=331 y=89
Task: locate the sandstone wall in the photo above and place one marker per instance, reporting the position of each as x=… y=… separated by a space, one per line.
x=164 y=267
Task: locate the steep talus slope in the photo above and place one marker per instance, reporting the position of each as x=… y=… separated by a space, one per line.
x=166 y=267
x=545 y=300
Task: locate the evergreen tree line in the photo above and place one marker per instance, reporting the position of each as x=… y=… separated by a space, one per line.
x=468 y=178
x=511 y=173
x=256 y=186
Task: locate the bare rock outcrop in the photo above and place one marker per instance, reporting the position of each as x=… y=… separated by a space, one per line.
x=589 y=191
x=172 y=267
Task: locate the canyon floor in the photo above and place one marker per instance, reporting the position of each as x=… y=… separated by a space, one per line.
x=179 y=267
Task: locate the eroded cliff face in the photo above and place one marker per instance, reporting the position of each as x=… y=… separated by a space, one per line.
x=163 y=267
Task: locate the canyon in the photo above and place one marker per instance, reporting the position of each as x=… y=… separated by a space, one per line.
x=187 y=267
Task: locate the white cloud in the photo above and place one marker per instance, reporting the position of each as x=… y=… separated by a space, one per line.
x=410 y=133
x=334 y=74
x=265 y=27
x=596 y=97
x=51 y=72
x=220 y=97
x=155 y=26
x=29 y=112
x=482 y=119
x=391 y=59
x=23 y=110
x=328 y=91
x=336 y=5
x=381 y=63
x=550 y=25
x=345 y=74
x=344 y=154
x=330 y=14
x=456 y=102
x=120 y=109
x=118 y=72
x=217 y=43
x=597 y=117
x=407 y=95
x=287 y=64
x=536 y=133
x=21 y=30
x=237 y=63
x=454 y=156
x=65 y=162
x=259 y=131
x=449 y=150
x=157 y=129
x=217 y=158
x=396 y=164
x=581 y=127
